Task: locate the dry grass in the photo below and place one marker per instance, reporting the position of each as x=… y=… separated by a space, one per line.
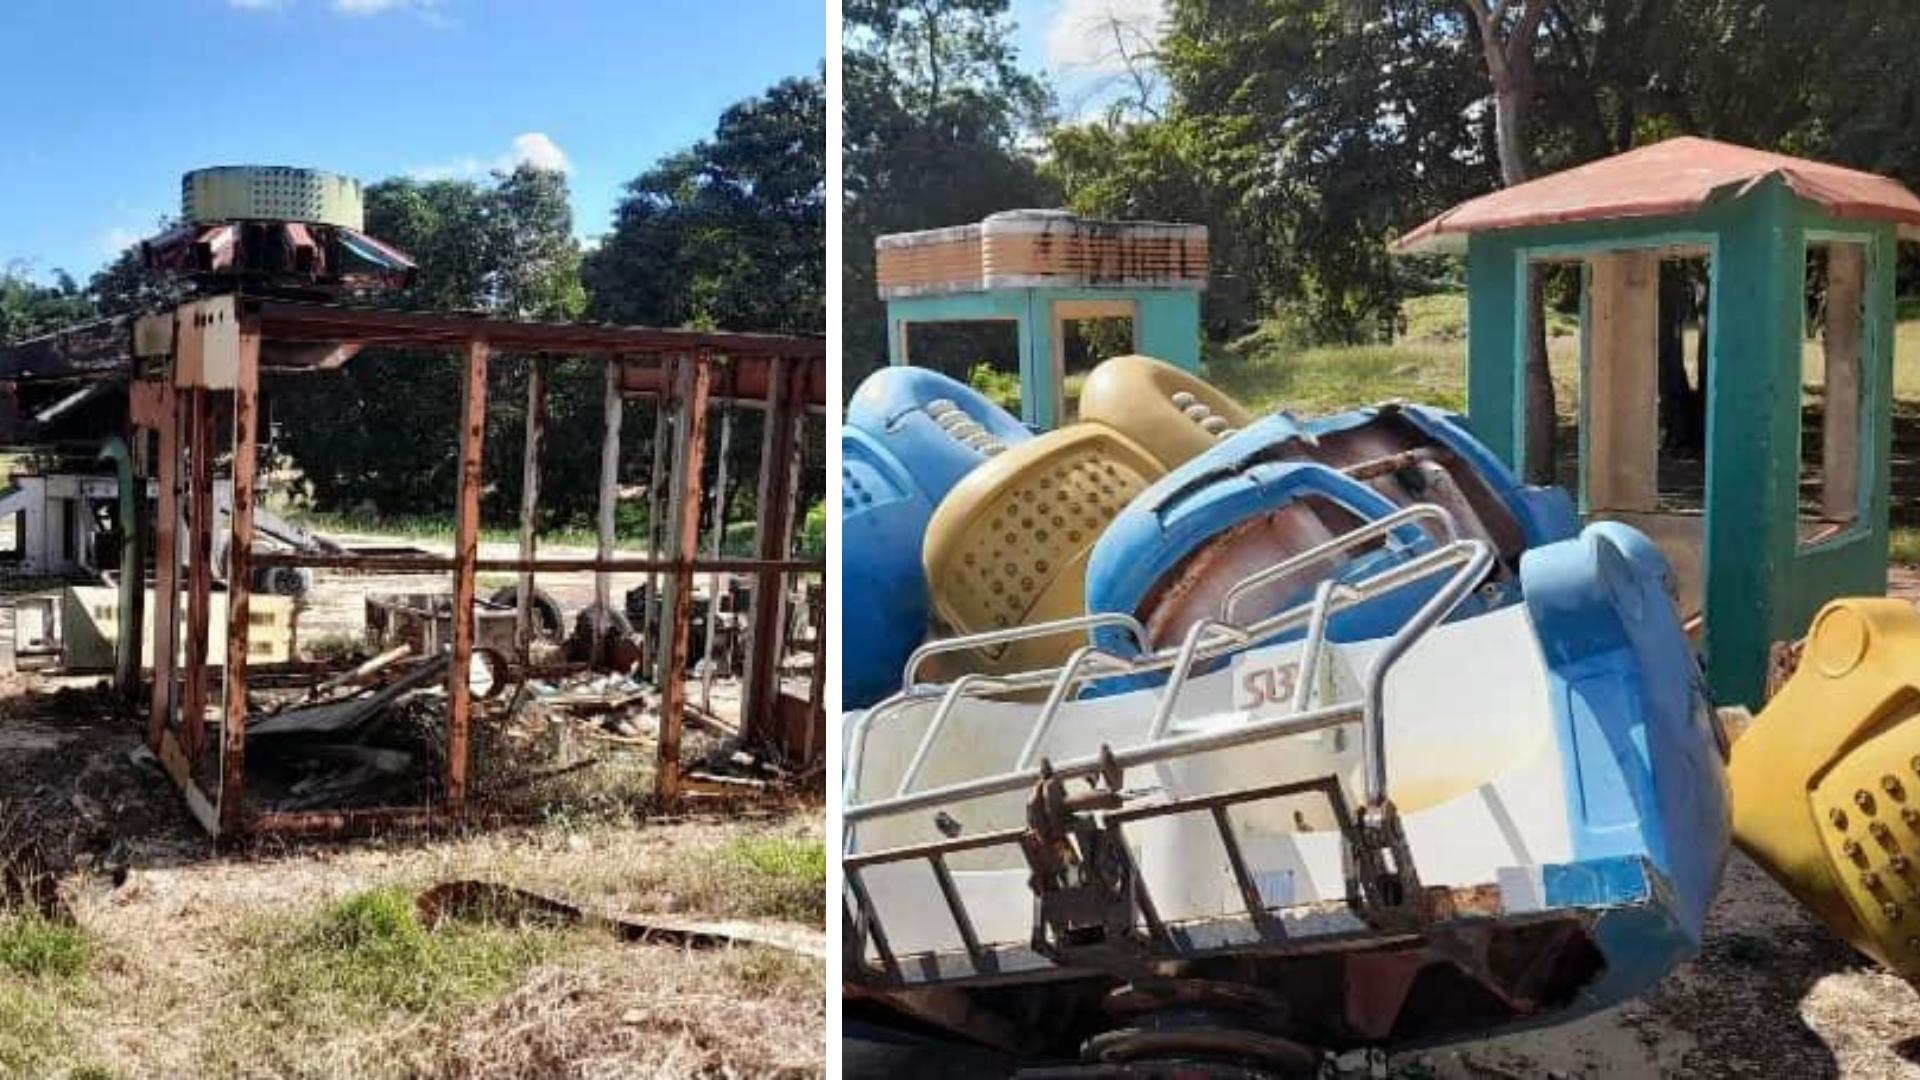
x=311 y=963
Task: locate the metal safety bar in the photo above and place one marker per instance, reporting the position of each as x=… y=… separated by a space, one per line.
x=1472 y=557
x=935 y=855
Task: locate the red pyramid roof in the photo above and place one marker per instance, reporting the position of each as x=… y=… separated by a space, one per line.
x=1676 y=176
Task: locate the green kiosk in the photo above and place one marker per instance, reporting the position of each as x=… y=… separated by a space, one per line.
x=1789 y=508
x=1040 y=270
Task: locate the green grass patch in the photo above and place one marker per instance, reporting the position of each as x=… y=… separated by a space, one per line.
x=360 y=964
x=36 y=947
x=34 y=1031
x=1905 y=544
x=46 y=971
x=772 y=877
x=1331 y=378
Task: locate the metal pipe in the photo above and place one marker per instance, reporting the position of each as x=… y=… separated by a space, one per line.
x=939 y=721
x=1230 y=602
x=1316 y=639
x=1475 y=558
x=1020 y=633
x=1062 y=687
x=1373 y=746
x=1183 y=667
x=1093 y=764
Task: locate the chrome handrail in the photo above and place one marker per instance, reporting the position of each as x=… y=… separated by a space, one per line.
x=1380 y=527
x=1474 y=557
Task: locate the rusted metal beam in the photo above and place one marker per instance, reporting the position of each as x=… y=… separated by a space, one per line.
x=466 y=551
x=166 y=562
x=695 y=380
x=291 y=321
x=613 y=408
x=746 y=381
x=429 y=564
x=233 y=729
x=773 y=533
x=530 y=500
x=193 y=707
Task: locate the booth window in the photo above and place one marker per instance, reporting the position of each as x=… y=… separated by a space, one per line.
x=1832 y=401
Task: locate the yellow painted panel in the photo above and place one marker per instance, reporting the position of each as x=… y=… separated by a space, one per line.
x=1136 y=396
x=1826 y=781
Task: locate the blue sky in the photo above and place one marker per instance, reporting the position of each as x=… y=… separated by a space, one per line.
x=104 y=103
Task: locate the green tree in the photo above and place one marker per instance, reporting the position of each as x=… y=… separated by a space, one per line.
x=935 y=116
x=730 y=232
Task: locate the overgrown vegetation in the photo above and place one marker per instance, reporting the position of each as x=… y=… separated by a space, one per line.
x=362 y=963
x=45 y=974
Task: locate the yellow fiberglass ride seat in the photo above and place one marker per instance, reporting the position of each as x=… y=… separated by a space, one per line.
x=1826 y=781
x=1008 y=545
x=1170 y=413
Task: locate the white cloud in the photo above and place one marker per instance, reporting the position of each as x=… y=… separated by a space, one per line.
x=118 y=239
x=1088 y=36
x=535 y=148
x=381 y=7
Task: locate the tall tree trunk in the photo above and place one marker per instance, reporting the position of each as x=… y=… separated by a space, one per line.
x=1509 y=58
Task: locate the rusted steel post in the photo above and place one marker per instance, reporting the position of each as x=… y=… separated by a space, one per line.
x=466 y=551
x=695 y=379
x=233 y=730
x=612 y=410
x=773 y=535
x=166 y=566
x=530 y=500
x=649 y=624
x=193 y=707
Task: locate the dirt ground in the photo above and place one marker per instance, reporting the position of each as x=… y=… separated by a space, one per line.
x=172 y=919
x=182 y=938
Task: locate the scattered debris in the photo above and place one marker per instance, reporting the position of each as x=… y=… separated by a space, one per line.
x=486 y=899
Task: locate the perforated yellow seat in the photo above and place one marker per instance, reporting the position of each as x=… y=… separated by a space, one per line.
x=1826 y=781
x=1008 y=545
x=1169 y=412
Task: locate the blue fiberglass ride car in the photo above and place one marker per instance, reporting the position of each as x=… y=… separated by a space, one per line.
x=910 y=435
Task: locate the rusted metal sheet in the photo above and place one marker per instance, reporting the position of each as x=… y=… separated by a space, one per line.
x=492 y=900
x=466 y=549
x=193 y=706
x=292 y=321
x=747 y=381
x=233 y=731
x=95 y=350
x=695 y=381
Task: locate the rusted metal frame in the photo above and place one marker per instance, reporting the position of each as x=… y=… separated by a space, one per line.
x=612 y=410
x=1142 y=899
x=466 y=551
x=779 y=469
x=530 y=502
x=233 y=731
x=443 y=563
x=295 y=321
x=166 y=556
x=692 y=386
x=342 y=822
x=746 y=383
x=193 y=707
